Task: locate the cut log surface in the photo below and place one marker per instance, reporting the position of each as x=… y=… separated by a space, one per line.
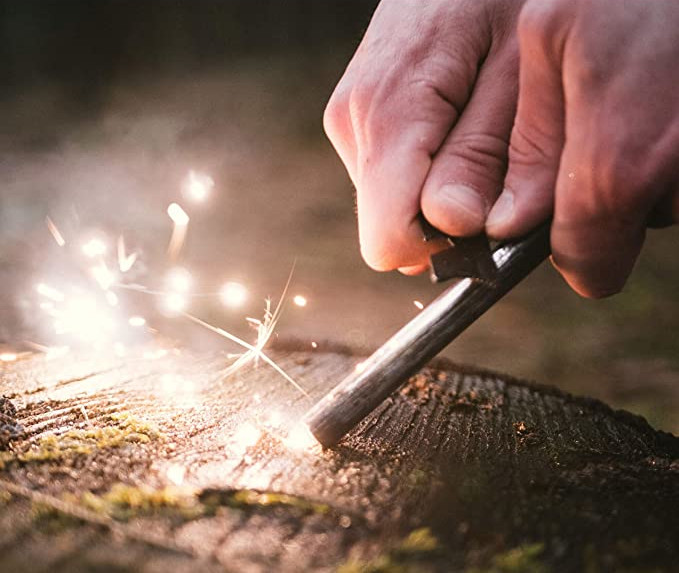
x=460 y=470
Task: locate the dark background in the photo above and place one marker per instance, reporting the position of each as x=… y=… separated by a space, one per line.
x=105 y=106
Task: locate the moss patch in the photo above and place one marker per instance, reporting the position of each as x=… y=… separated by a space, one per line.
x=124 y=429
x=252 y=499
x=122 y=502
x=522 y=559
x=418 y=552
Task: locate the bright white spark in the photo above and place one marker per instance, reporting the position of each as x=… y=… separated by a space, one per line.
x=233 y=294
x=360 y=367
x=56 y=234
x=178 y=280
x=94 y=248
x=8 y=356
x=300 y=300
x=137 y=321
x=174 y=303
x=418 y=304
x=300 y=438
x=49 y=292
x=197 y=186
x=125 y=261
x=314 y=345
x=111 y=298
x=178 y=215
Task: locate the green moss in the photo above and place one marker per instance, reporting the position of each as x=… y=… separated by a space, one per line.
x=124 y=430
x=123 y=502
x=419 y=549
x=522 y=559
x=252 y=499
x=51 y=520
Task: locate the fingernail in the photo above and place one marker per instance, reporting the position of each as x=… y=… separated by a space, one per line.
x=503 y=210
x=467 y=203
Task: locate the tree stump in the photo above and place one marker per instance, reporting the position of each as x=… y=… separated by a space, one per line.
x=159 y=462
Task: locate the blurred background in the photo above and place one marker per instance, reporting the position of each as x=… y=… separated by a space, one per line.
x=107 y=105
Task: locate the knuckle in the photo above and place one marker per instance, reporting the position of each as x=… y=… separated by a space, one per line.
x=483 y=154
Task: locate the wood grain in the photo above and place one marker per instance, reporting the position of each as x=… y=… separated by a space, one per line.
x=490 y=465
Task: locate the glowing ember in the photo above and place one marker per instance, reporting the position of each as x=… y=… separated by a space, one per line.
x=174 y=303
x=56 y=234
x=94 y=248
x=197 y=186
x=178 y=280
x=300 y=438
x=300 y=300
x=178 y=215
x=137 y=321
x=418 y=304
x=125 y=261
x=8 y=357
x=246 y=435
x=233 y=294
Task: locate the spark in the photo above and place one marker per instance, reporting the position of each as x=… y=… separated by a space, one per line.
x=233 y=294
x=181 y=223
x=178 y=280
x=300 y=300
x=254 y=351
x=174 y=303
x=50 y=292
x=54 y=230
x=300 y=438
x=314 y=345
x=8 y=356
x=418 y=304
x=360 y=367
x=112 y=298
x=178 y=215
x=197 y=186
x=94 y=248
x=137 y=321
x=125 y=261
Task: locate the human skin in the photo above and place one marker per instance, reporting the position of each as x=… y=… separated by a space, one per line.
x=426 y=118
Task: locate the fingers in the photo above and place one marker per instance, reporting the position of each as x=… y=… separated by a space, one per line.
x=467 y=171
x=538 y=134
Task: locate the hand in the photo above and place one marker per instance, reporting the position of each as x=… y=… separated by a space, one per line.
x=422 y=119
x=596 y=137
